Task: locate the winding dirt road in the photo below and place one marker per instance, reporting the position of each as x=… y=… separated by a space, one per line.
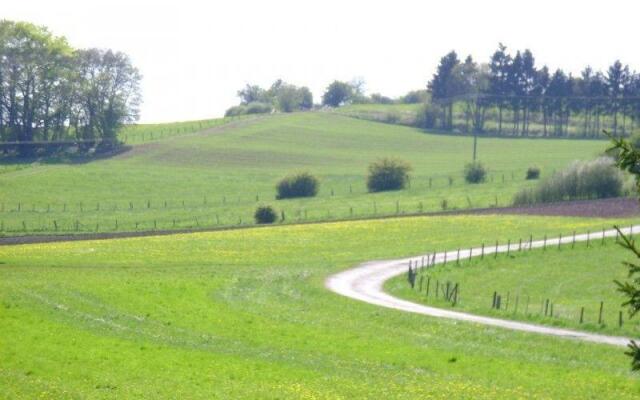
x=365 y=283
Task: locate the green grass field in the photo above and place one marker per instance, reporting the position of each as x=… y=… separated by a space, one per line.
x=570 y=277
x=218 y=177
x=244 y=314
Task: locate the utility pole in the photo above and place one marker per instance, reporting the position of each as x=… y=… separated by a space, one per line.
x=475 y=144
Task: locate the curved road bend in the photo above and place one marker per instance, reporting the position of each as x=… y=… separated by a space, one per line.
x=365 y=283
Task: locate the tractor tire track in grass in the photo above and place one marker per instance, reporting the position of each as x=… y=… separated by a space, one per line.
x=365 y=283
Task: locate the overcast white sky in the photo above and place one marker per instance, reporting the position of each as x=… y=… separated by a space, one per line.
x=195 y=55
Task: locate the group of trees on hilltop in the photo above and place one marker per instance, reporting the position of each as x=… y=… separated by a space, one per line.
x=285 y=97
x=51 y=92
x=339 y=93
x=513 y=84
x=280 y=96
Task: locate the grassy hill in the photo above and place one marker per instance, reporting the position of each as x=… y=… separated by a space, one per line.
x=217 y=175
x=244 y=314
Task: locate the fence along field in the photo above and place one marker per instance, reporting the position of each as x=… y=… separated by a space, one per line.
x=567 y=283
x=218 y=179
x=215 y=211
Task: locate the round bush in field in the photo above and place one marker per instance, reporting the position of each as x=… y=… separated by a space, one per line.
x=388 y=174
x=299 y=185
x=533 y=173
x=475 y=173
x=265 y=215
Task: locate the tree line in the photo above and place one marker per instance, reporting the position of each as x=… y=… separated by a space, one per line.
x=516 y=95
x=51 y=92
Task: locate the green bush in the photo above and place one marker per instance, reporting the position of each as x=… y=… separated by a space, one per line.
x=299 y=185
x=235 y=110
x=475 y=173
x=533 y=173
x=251 y=108
x=388 y=174
x=581 y=180
x=259 y=108
x=265 y=215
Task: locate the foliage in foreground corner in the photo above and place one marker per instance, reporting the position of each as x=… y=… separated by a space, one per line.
x=628 y=159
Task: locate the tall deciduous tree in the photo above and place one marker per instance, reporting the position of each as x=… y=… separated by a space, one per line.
x=108 y=89
x=48 y=90
x=337 y=93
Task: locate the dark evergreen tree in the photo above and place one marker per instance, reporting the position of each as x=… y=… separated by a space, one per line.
x=617 y=79
x=444 y=87
x=498 y=80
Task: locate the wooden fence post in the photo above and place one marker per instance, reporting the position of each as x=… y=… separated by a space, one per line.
x=428 y=284
x=546 y=307
x=600 y=312
x=620 y=319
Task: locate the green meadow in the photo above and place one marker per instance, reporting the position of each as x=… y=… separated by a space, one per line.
x=244 y=314
x=189 y=177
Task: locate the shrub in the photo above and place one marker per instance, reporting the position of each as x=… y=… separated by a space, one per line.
x=475 y=173
x=533 y=173
x=388 y=174
x=258 y=108
x=444 y=204
x=265 y=215
x=236 y=110
x=581 y=180
x=298 y=185
x=251 y=108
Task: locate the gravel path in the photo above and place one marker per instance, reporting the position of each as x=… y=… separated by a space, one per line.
x=365 y=283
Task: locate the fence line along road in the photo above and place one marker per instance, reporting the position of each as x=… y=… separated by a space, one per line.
x=365 y=283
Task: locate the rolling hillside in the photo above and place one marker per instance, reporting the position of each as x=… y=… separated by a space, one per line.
x=216 y=176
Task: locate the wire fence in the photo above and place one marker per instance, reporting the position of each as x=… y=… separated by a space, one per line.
x=515 y=303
